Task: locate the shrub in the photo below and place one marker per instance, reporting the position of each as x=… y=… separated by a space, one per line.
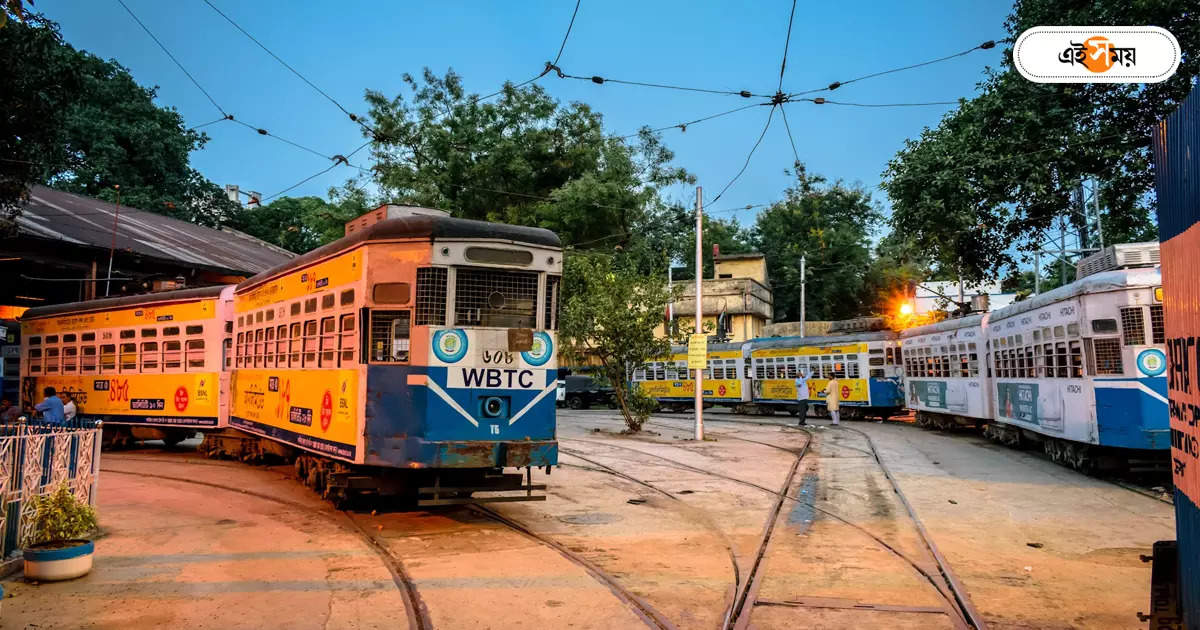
x=60 y=517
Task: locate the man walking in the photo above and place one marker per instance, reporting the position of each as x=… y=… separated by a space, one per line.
x=51 y=407
x=832 y=393
x=802 y=395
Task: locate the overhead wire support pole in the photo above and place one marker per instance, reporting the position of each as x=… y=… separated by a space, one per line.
x=113 y=248
x=699 y=394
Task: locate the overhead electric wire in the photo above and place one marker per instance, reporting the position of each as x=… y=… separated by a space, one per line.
x=824 y=101
x=567 y=34
x=599 y=80
x=337 y=160
x=837 y=84
x=786 y=42
x=767 y=126
x=795 y=153
x=211 y=122
x=263 y=132
x=168 y=52
x=682 y=126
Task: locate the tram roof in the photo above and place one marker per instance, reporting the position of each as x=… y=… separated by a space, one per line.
x=417 y=226
x=1102 y=282
x=107 y=304
x=824 y=340
x=970 y=321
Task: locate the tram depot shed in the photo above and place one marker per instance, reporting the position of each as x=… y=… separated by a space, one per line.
x=62 y=242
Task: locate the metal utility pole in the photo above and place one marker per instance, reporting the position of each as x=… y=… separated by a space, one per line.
x=1037 y=272
x=699 y=309
x=1096 y=205
x=803 y=280
x=1062 y=251
x=113 y=248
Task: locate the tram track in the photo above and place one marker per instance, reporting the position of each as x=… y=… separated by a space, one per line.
x=691 y=512
x=415 y=609
x=644 y=611
x=952 y=599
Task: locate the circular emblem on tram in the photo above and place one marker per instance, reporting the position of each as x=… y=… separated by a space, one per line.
x=450 y=345
x=542 y=350
x=1152 y=362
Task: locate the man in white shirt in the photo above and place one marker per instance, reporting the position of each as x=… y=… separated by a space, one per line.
x=802 y=396
x=69 y=409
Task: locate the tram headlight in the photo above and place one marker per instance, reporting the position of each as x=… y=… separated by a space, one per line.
x=494 y=407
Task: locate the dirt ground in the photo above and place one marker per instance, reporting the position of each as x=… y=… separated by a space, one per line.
x=654 y=530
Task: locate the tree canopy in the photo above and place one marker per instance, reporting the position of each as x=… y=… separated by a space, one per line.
x=523 y=158
x=978 y=191
x=82 y=124
x=829 y=225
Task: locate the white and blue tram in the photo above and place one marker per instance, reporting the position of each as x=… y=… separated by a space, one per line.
x=946 y=372
x=1081 y=369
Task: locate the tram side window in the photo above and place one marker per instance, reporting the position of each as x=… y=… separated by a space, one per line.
x=129 y=357
x=226 y=352
x=669 y=372
x=258 y=348
x=149 y=356
x=195 y=354
x=1104 y=326
x=294 y=344
x=108 y=358
x=1106 y=354
x=550 y=321
x=660 y=371
x=310 y=343
x=1076 y=356
x=87 y=361
x=269 y=345
x=389 y=340
x=349 y=342
x=1133 y=326
x=241 y=350
x=281 y=335
x=172 y=356
x=52 y=360
x=760 y=369
x=329 y=339
x=852 y=366
x=70 y=359
x=716 y=369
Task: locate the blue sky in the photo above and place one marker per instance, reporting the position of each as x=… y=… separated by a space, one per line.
x=347 y=47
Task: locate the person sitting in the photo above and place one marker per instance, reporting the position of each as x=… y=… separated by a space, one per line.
x=69 y=409
x=51 y=407
x=8 y=411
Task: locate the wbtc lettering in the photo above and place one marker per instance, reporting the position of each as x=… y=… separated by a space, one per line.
x=492 y=378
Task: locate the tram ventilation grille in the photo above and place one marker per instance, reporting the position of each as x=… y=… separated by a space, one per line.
x=1108 y=356
x=1157 y=327
x=431 y=296
x=1119 y=257
x=501 y=299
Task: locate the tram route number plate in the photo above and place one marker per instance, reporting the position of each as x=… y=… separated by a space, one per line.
x=520 y=339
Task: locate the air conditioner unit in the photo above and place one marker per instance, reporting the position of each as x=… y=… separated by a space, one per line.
x=1123 y=256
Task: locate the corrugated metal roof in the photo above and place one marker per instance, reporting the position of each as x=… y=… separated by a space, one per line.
x=60 y=216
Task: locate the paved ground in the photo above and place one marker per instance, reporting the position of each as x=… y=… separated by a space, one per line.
x=653 y=530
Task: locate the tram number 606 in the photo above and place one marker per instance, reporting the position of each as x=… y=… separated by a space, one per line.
x=497 y=357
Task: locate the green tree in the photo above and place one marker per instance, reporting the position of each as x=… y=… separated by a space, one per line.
x=439 y=147
x=83 y=125
x=980 y=190
x=830 y=226
x=610 y=311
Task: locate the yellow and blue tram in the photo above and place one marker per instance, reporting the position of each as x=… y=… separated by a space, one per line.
x=416 y=355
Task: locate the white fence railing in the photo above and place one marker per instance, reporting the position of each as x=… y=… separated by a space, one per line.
x=36 y=459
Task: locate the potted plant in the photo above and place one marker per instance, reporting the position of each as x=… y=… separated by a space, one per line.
x=59 y=549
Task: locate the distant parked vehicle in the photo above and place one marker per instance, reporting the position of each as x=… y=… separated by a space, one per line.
x=580 y=391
